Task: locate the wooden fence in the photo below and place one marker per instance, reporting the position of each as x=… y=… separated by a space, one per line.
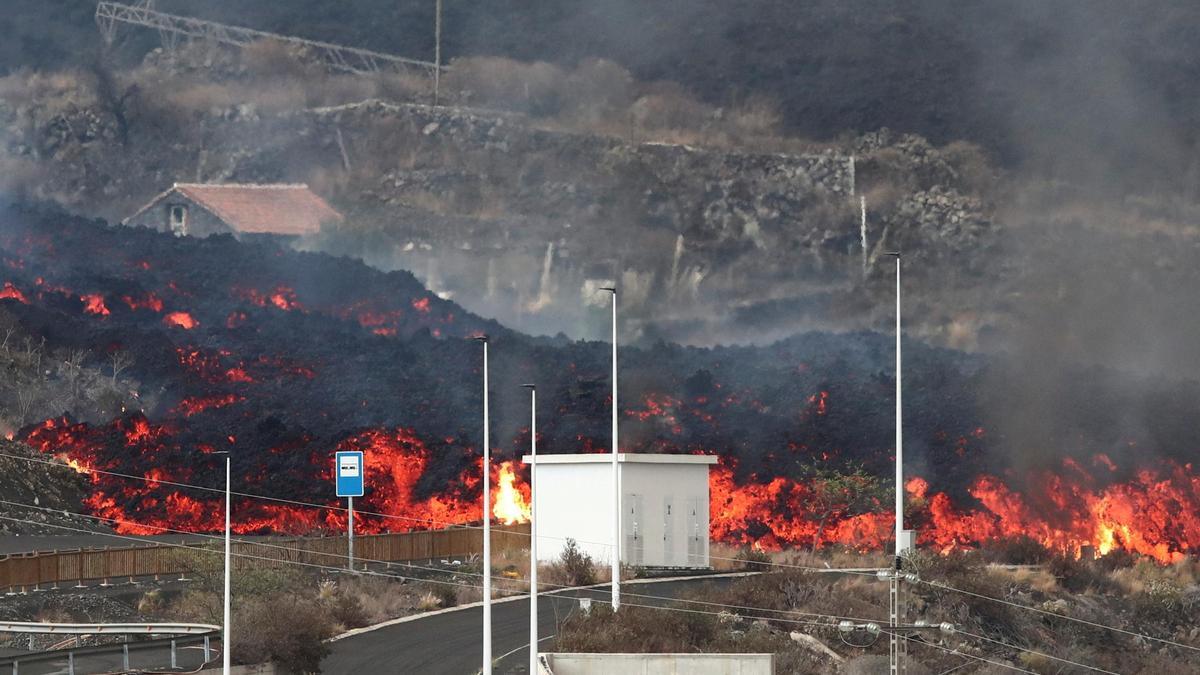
x=26 y=571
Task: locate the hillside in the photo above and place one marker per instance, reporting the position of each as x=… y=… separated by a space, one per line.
x=1049 y=83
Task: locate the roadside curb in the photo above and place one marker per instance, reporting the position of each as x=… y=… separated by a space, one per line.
x=525 y=596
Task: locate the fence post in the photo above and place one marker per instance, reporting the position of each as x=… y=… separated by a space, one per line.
x=173 y=663
x=125 y=654
x=105 y=584
x=71 y=663
x=207 y=650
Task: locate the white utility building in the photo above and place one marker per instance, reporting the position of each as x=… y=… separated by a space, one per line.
x=664 y=515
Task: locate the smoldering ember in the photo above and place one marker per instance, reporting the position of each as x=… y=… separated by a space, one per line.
x=235 y=241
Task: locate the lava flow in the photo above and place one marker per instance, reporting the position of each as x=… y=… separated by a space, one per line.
x=284 y=358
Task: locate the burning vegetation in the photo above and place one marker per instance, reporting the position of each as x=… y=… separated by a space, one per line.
x=327 y=354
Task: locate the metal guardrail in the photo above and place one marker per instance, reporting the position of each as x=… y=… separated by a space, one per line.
x=36 y=571
x=70 y=654
x=107 y=628
x=171 y=26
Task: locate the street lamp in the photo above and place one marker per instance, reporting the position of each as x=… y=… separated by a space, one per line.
x=898 y=646
x=225 y=629
x=533 y=560
x=487 y=520
x=616 y=474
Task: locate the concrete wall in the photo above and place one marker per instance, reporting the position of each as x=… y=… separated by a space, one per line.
x=664 y=520
x=574 y=500
x=661 y=664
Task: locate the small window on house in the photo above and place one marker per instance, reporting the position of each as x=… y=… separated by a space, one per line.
x=177 y=218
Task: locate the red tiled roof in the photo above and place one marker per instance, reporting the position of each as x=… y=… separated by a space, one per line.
x=273 y=209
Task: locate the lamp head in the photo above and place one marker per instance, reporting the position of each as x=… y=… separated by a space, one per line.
x=480 y=338
x=529 y=386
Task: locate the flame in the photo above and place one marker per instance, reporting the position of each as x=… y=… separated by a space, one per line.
x=150 y=301
x=10 y=292
x=180 y=319
x=78 y=467
x=93 y=303
x=510 y=503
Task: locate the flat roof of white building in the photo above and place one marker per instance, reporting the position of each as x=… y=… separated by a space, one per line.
x=625 y=457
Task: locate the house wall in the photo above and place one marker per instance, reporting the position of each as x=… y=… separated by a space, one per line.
x=575 y=500
x=200 y=221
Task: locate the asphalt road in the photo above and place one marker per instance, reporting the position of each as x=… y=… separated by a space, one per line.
x=449 y=643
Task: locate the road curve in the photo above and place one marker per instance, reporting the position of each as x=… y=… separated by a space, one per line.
x=448 y=642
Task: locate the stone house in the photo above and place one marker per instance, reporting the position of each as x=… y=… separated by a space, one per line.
x=200 y=210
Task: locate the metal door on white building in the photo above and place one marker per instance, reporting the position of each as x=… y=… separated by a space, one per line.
x=635 y=541
x=668 y=539
x=697 y=530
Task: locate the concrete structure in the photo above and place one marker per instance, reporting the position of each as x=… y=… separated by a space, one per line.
x=657 y=664
x=664 y=515
x=200 y=210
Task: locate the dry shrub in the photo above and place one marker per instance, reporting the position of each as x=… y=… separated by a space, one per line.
x=381 y=599
x=428 y=602
x=1078 y=576
x=668 y=106
x=1146 y=571
x=635 y=630
x=573 y=567
x=498 y=82
x=287 y=630
x=757 y=116
x=272 y=58
x=972 y=164
x=597 y=92
x=56 y=91
x=403 y=86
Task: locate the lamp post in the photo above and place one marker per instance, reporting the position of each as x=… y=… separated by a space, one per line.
x=487 y=519
x=533 y=559
x=225 y=628
x=616 y=472
x=898 y=645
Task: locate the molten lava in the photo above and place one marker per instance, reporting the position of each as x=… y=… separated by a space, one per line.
x=181 y=319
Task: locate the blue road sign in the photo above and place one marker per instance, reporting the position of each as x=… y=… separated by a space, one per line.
x=348 y=472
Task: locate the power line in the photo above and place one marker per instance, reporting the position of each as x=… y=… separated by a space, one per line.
x=514 y=591
x=938 y=584
x=419 y=567
x=424 y=521
x=1037 y=653
x=955 y=652
x=451 y=583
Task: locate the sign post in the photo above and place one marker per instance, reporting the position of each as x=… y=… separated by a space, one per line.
x=348 y=474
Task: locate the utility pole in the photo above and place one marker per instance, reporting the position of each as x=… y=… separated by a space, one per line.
x=616 y=471
x=487 y=520
x=898 y=645
x=533 y=559
x=437 y=52
x=226 y=635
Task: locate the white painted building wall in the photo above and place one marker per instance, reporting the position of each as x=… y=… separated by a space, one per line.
x=664 y=520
